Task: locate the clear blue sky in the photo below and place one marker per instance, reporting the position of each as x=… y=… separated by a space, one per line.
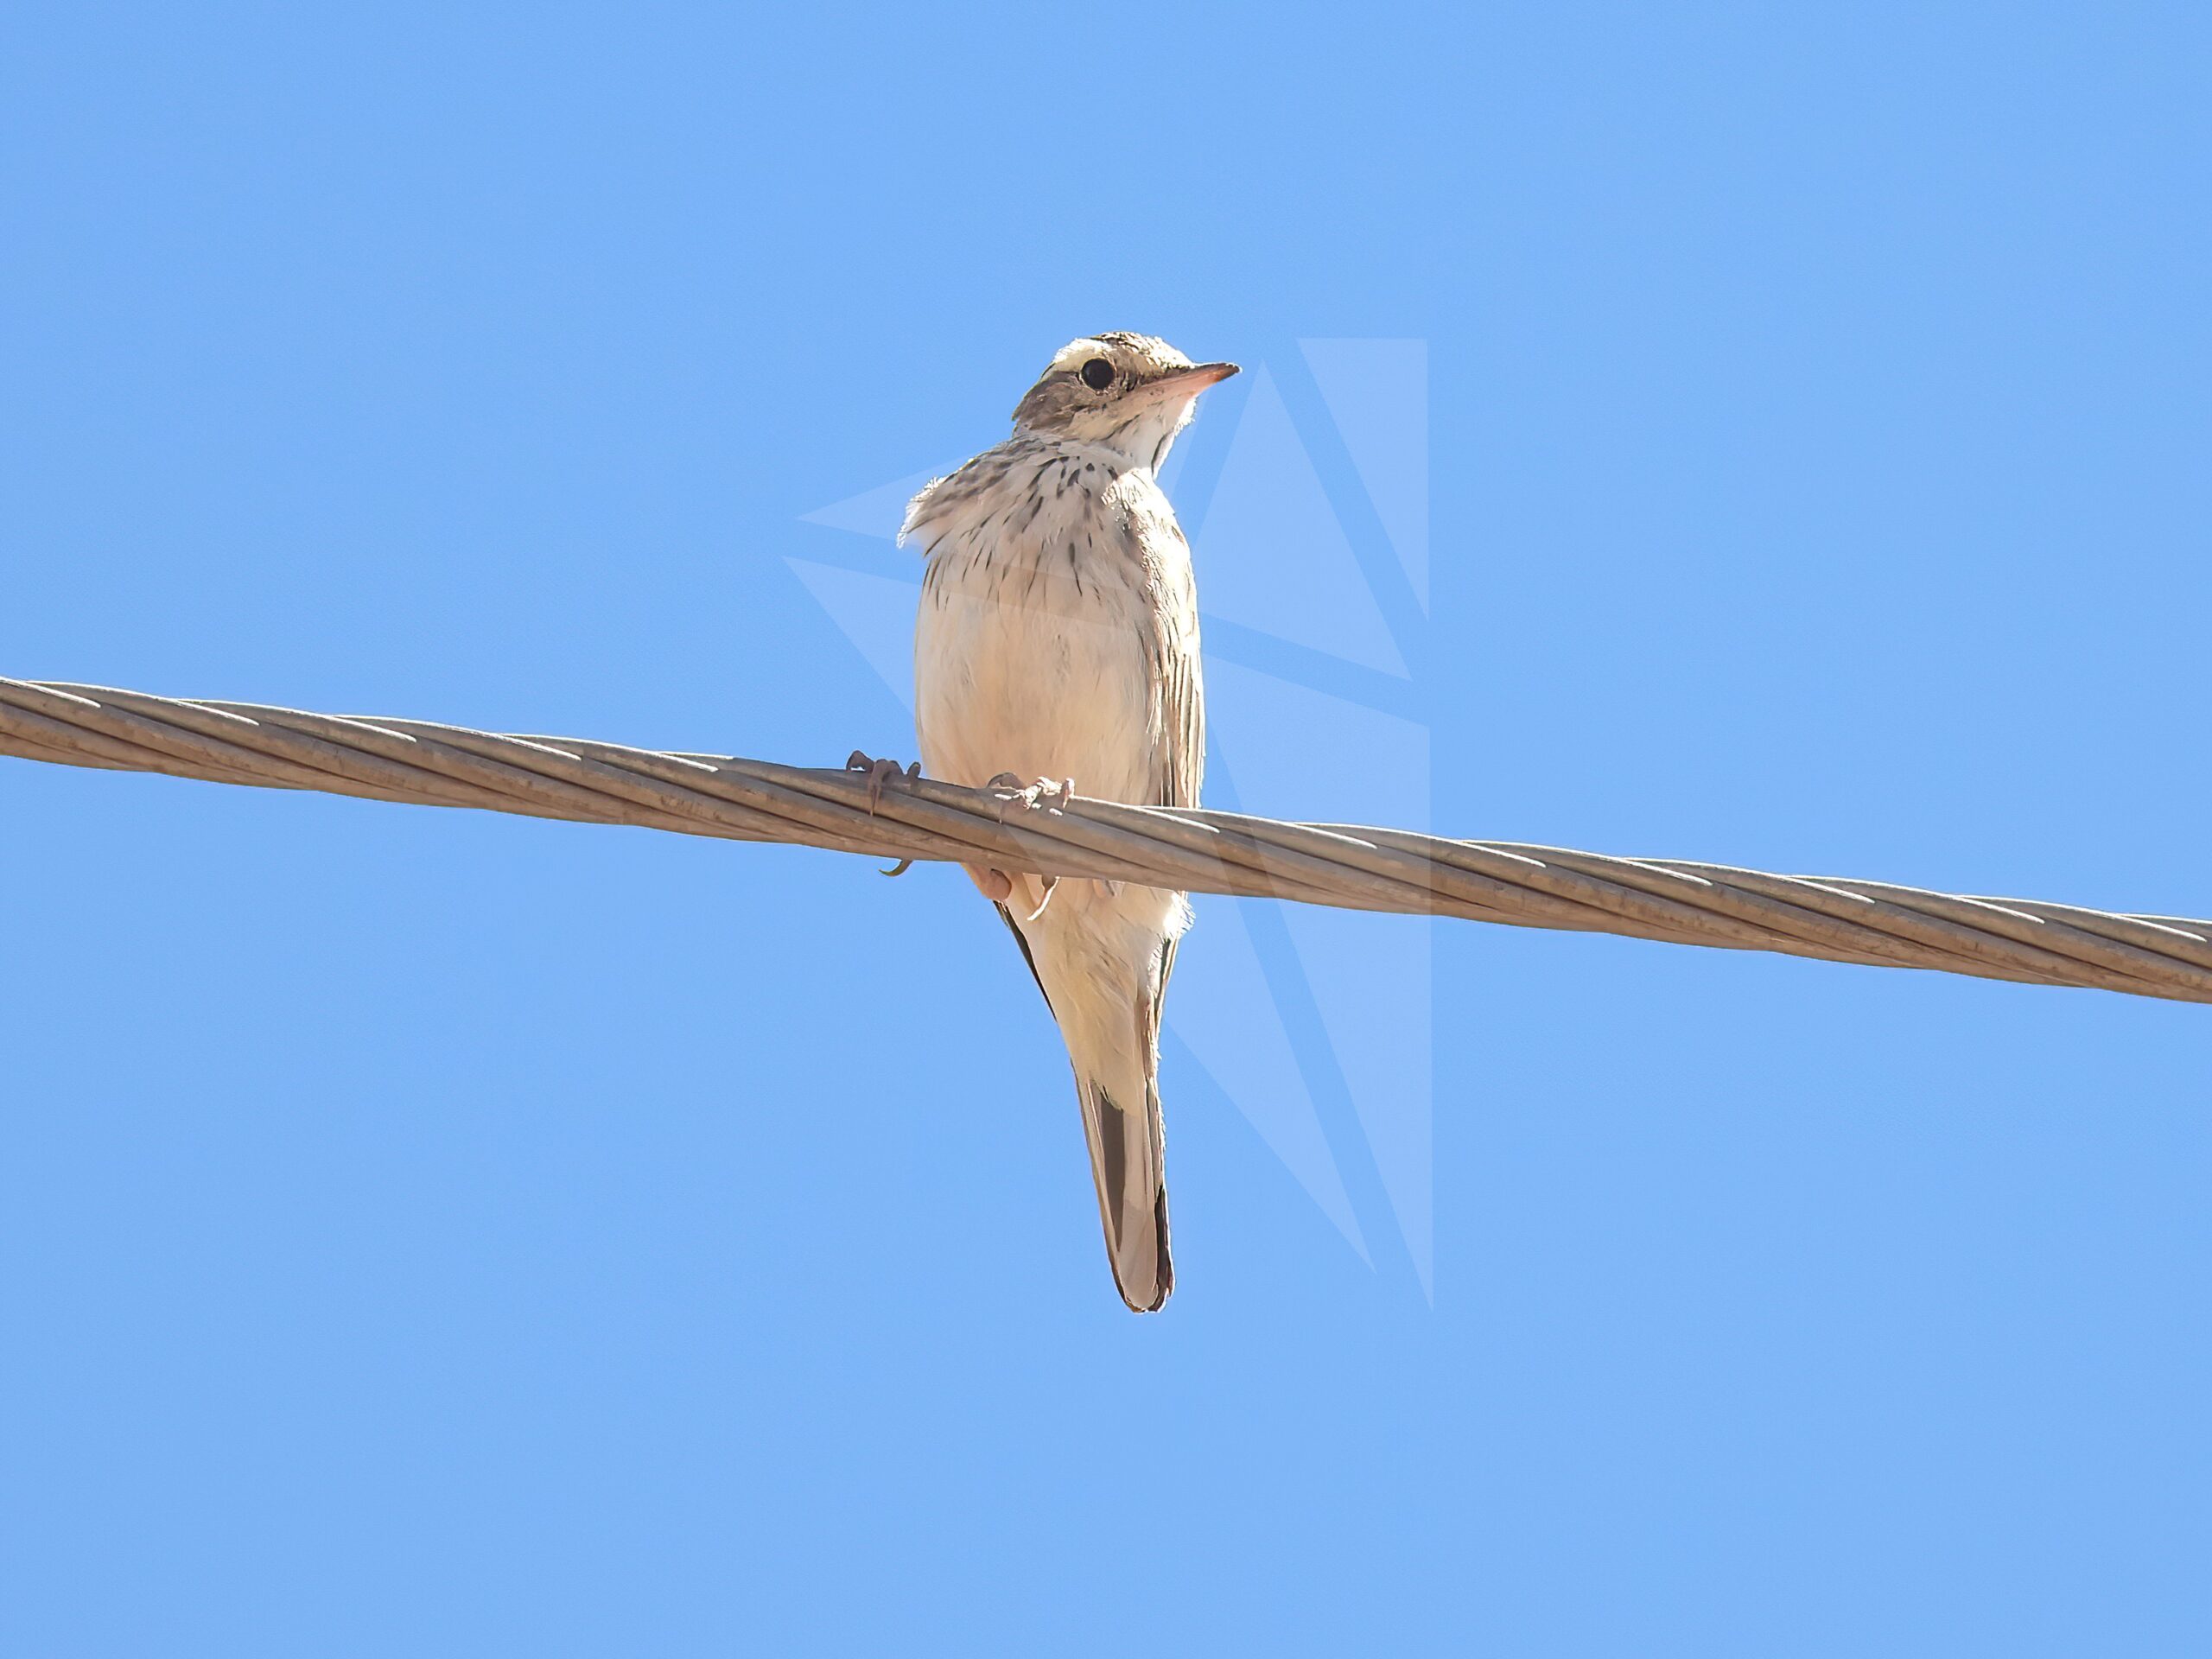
x=437 y=1233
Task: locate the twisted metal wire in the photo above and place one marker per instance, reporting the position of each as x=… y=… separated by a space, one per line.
x=1673 y=901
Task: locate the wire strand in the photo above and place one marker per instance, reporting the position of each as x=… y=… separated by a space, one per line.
x=1674 y=901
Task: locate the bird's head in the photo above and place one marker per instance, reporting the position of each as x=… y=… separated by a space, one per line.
x=1130 y=393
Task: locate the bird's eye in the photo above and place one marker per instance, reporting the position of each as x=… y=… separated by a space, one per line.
x=1098 y=374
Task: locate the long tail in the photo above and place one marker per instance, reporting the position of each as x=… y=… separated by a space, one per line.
x=1103 y=984
x=1128 y=1161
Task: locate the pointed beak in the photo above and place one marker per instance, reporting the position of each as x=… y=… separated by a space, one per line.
x=1196 y=379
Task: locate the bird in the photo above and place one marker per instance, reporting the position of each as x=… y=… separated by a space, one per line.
x=1056 y=646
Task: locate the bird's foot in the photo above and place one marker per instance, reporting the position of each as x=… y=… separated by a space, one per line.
x=1045 y=794
x=880 y=772
x=1057 y=794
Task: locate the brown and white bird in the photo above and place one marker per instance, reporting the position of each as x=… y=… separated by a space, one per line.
x=1058 y=640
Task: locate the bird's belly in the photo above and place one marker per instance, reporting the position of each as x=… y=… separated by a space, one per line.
x=1037 y=676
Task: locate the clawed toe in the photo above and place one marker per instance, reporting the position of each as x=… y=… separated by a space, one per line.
x=880 y=772
x=1057 y=794
x=1048 y=885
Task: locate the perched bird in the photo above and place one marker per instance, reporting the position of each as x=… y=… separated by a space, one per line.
x=1056 y=647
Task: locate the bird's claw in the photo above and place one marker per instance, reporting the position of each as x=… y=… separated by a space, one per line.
x=880 y=772
x=1046 y=792
x=1049 y=886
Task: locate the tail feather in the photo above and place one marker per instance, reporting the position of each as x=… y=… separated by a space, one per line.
x=1128 y=1162
x=1102 y=976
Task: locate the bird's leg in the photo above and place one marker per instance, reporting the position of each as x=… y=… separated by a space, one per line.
x=880 y=772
